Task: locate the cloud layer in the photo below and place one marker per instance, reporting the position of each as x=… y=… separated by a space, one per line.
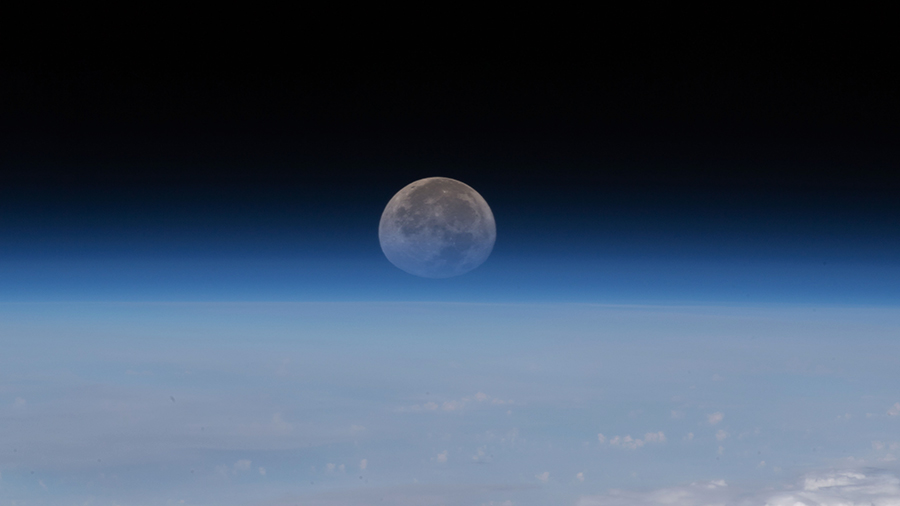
x=867 y=487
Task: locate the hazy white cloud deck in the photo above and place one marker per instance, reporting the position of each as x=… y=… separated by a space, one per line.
x=447 y=404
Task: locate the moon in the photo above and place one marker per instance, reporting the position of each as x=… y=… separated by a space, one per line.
x=437 y=227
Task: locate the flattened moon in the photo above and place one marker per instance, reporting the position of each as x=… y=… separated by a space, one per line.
x=437 y=227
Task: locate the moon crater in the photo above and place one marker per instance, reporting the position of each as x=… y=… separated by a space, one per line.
x=437 y=228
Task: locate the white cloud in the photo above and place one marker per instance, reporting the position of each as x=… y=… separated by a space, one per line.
x=601 y=438
x=689 y=437
x=880 y=445
x=626 y=442
x=695 y=494
x=655 y=437
x=762 y=463
x=363 y=464
x=634 y=444
x=452 y=405
x=543 y=477
x=481 y=397
x=262 y=471
x=580 y=477
x=894 y=411
x=721 y=435
x=677 y=414
x=19 y=402
x=830 y=488
x=442 y=457
x=847 y=487
x=341 y=468
x=481 y=455
x=329 y=467
x=242 y=465
x=715 y=418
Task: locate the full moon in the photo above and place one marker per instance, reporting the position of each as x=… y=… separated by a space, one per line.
x=437 y=227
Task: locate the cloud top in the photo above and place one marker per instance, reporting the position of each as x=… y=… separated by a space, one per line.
x=869 y=487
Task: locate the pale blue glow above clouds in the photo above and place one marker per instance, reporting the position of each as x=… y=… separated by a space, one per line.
x=431 y=403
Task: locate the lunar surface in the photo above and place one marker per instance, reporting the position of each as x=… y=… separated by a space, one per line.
x=437 y=228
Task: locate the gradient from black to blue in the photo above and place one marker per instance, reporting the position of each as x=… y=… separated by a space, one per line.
x=655 y=174
x=729 y=193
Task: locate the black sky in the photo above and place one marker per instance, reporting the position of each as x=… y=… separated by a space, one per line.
x=675 y=109
x=617 y=151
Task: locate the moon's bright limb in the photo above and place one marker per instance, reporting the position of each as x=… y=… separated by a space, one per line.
x=437 y=227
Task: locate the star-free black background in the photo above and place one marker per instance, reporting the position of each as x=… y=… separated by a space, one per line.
x=676 y=147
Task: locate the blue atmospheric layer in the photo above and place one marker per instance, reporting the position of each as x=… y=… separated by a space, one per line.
x=568 y=244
